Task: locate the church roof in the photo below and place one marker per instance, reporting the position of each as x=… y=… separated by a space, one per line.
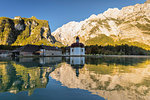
x=34 y=48
x=77 y=45
x=77 y=37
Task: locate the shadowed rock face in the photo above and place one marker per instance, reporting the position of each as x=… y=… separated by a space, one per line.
x=113 y=82
x=128 y=25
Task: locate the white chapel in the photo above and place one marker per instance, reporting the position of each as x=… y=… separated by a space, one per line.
x=77 y=48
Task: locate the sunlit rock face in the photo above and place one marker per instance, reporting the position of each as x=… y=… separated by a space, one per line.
x=22 y=31
x=148 y=1
x=130 y=24
x=113 y=82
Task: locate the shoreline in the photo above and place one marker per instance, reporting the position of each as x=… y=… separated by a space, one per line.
x=97 y=56
x=86 y=56
x=128 y=56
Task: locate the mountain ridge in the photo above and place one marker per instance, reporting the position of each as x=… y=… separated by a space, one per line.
x=130 y=24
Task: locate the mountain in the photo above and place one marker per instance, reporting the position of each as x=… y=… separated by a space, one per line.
x=130 y=25
x=22 y=31
x=148 y=1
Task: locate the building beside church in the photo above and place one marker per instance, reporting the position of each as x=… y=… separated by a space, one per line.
x=5 y=53
x=35 y=50
x=77 y=49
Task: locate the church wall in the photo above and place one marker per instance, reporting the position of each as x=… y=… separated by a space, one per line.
x=77 y=51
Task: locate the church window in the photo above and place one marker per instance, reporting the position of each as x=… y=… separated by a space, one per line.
x=81 y=61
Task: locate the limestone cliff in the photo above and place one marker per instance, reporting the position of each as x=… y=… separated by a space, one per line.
x=22 y=31
x=130 y=25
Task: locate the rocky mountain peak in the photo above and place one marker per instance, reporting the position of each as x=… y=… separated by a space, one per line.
x=148 y=1
x=33 y=17
x=111 y=12
x=126 y=26
x=18 y=17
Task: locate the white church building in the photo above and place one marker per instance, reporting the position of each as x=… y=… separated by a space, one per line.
x=77 y=48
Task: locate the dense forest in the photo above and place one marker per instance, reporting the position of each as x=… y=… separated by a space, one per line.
x=8 y=47
x=117 y=50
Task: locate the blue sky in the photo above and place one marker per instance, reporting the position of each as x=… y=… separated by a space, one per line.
x=59 y=12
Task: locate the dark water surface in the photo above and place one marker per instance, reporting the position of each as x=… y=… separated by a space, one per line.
x=75 y=78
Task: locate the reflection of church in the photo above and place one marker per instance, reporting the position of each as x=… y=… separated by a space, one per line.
x=77 y=63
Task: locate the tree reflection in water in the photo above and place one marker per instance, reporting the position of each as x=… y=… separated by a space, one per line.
x=15 y=78
x=26 y=74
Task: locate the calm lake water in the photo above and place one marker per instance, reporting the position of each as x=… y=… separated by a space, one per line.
x=75 y=78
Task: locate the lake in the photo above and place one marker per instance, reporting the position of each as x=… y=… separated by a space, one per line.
x=75 y=78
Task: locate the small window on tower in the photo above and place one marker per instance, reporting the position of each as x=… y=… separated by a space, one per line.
x=81 y=50
x=72 y=50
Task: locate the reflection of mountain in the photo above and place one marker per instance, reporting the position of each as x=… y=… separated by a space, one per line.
x=15 y=78
x=112 y=81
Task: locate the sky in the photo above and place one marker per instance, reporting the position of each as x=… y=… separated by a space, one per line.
x=60 y=12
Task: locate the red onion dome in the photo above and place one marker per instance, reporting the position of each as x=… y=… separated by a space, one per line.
x=77 y=38
x=77 y=45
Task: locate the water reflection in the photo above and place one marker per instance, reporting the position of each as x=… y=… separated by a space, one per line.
x=77 y=63
x=26 y=74
x=111 y=78
x=39 y=62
